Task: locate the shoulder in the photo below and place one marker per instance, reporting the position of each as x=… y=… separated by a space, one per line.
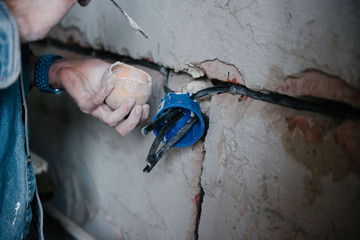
x=10 y=60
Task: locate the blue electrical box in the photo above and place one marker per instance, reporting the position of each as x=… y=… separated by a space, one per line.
x=189 y=107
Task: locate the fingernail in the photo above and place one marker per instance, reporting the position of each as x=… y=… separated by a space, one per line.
x=138 y=111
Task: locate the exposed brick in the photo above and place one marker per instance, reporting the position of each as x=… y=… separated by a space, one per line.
x=312 y=131
x=318 y=84
x=348 y=135
x=216 y=69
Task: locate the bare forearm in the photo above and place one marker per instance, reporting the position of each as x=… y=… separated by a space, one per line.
x=35 y=18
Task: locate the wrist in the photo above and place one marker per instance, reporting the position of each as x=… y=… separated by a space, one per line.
x=55 y=71
x=44 y=78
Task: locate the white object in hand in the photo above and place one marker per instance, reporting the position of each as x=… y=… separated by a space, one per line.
x=129 y=82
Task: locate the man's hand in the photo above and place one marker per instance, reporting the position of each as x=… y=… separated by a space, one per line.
x=81 y=79
x=35 y=18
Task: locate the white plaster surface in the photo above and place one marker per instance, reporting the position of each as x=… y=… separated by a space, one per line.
x=255 y=189
x=253 y=35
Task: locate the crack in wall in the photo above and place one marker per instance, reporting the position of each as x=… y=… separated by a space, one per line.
x=199 y=201
x=199 y=198
x=227 y=7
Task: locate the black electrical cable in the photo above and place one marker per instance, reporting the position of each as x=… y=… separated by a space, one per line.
x=166 y=73
x=172 y=116
x=169 y=113
x=175 y=139
x=151 y=158
x=329 y=107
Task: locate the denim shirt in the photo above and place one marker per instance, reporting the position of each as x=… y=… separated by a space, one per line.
x=17 y=180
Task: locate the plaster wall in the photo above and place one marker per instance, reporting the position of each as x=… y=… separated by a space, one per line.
x=252 y=35
x=267 y=172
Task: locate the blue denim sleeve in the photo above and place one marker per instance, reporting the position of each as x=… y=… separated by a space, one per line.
x=10 y=60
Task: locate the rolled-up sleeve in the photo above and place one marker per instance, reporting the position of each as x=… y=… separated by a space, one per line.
x=10 y=61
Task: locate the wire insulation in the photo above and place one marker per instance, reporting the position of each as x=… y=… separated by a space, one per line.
x=328 y=107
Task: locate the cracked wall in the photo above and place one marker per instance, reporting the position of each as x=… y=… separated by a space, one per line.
x=252 y=35
x=276 y=173
x=267 y=172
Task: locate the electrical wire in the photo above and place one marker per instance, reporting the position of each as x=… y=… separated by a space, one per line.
x=169 y=113
x=177 y=137
x=169 y=118
x=152 y=159
x=328 y=107
x=155 y=157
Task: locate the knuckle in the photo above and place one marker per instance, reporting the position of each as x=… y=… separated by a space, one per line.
x=96 y=99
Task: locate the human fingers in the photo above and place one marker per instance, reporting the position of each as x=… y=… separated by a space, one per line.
x=145 y=112
x=126 y=126
x=93 y=106
x=113 y=118
x=99 y=97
